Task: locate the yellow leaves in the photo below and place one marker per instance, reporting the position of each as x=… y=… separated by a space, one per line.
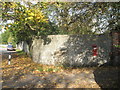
x=10 y=4
x=45 y=20
x=15 y=22
x=35 y=15
x=1 y=81
x=39 y=16
x=19 y=67
x=31 y=14
x=22 y=77
x=22 y=67
x=36 y=72
x=16 y=11
x=13 y=5
x=99 y=9
x=6 y=87
x=6 y=28
x=87 y=72
x=30 y=18
x=65 y=25
x=28 y=11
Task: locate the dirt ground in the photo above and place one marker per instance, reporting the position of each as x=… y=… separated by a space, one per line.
x=24 y=73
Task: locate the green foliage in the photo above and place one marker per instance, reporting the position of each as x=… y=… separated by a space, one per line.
x=46 y=18
x=77 y=17
x=5 y=37
x=28 y=22
x=10 y=39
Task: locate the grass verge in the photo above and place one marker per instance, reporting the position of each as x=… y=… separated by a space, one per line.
x=21 y=53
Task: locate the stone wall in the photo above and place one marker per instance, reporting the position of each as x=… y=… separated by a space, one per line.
x=23 y=46
x=71 y=50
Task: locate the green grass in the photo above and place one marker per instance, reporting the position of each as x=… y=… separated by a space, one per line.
x=118 y=46
x=2 y=46
x=40 y=69
x=49 y=69
x=19 y=52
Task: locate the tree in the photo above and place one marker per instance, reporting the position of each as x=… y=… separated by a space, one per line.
x=70 y=17
x=28 y=21
x=81 y=17
x=5 y=37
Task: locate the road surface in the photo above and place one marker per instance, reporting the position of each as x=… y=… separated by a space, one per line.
x=4 y=52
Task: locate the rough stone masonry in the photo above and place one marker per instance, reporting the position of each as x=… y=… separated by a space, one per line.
x=71 y=50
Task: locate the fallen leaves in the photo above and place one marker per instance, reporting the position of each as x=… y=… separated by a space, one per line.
x=36 y=72
x=1 y=81
x=50 y=76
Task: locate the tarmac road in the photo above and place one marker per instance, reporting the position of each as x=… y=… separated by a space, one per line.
x=4 y=52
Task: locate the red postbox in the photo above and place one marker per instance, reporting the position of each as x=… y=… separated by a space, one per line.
x=95 y=50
